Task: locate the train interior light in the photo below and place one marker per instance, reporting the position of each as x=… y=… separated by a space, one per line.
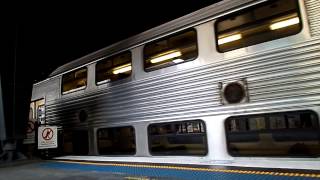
x=285 y=23
x=122 y=69
x=228 y=39
x=166 y=56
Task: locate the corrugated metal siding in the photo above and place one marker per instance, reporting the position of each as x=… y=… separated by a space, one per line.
x=313 y=10
x=48 y=89
x=277 y=79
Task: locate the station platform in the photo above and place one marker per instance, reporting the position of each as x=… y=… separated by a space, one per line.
x=89 y=170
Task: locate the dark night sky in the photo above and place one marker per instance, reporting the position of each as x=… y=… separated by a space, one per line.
x=38 y=37
x=55 y=34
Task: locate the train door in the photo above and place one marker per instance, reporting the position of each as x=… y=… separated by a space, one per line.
x=36 y=115
x=40 y=111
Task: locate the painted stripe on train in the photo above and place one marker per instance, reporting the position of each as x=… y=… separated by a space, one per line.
x=178 y=171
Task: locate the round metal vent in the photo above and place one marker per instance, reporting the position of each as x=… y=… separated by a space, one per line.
x=234 y=93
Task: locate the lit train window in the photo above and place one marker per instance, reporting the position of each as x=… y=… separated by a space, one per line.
x=116 y=141
x=172 y=50
x=261 y=23
x=74 y=81
x=285 y=134
x=114 y=68
x=178 y=138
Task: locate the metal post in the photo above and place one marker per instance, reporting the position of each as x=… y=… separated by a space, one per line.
x=2 y=121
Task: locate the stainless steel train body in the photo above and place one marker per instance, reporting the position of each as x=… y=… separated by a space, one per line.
x=280 y=75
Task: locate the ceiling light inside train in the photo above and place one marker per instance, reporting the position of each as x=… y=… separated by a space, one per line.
x=285 y=23
x=229 y=39
x=122 y=69
x=178 y=61
x=166 y=57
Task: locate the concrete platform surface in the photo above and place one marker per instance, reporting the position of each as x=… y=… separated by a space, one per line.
x=37 y=170
x=86 y=170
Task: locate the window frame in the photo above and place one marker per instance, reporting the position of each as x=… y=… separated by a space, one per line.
x=248 y=9
x=167 y=37
x=269 y=129
x=206 y=148
x=135 y=140
x=109 y=58
x=75 y=89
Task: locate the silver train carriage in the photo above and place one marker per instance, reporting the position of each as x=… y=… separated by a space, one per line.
x=236 y=83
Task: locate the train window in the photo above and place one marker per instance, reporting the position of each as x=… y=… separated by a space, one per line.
x=74 y=81
x=268 y=21
x=286 y=134
x=114 y=68
x=116 y=141
x=171 y=50
x=76 y=142
x=178 y=138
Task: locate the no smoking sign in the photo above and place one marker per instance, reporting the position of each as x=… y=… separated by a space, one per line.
x=47 y=134
x=47 y=137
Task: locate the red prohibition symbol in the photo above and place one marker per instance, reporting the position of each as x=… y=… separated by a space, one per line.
x=47 y=134
x=30 y=127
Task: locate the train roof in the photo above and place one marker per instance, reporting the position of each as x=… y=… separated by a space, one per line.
x=199 y=16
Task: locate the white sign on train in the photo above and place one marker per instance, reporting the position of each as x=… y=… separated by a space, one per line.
x=47 y=137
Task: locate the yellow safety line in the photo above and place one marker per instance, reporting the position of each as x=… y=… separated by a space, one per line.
x=197 y=169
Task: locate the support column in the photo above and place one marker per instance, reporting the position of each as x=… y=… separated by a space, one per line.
x=2 y=121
